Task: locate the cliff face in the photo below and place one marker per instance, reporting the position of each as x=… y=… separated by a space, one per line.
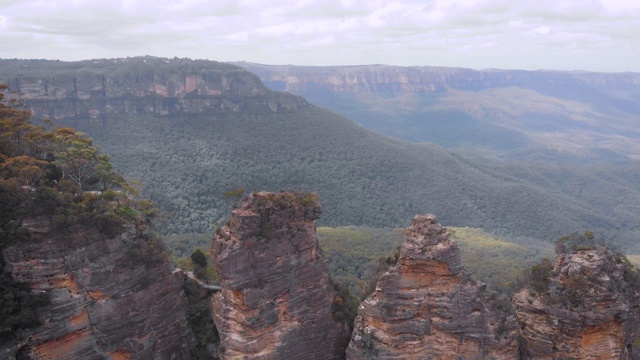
x=366 y=79
x=109 y=298
x=143 y=85
x=590 y=310
x=394 y=79
x=276 y=297
x=426 y=306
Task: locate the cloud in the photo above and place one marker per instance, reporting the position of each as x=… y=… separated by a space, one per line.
x=471 y=33
x=542 y=30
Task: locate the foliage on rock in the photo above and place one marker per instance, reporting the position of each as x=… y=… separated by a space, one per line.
x=58 y=173
x=583 y=304
x=53 y=180
x=425 y=304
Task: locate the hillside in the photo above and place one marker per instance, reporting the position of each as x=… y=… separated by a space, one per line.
x=192 y=130
x=512 y=114
x=568 y=134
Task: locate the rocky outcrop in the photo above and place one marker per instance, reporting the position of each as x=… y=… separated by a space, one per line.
x=276 y=298
x=364 y=78
x=110 y=298
x=140 y=85
x=587 y=309
x=428 y=307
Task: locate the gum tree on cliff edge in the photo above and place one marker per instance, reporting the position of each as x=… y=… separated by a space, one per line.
x=45 y=172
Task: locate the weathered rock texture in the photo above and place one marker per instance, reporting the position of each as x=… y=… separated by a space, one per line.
x=141 y=85
x=110 y=298
x=276 y=298
x=590 y=311
x=427 y=307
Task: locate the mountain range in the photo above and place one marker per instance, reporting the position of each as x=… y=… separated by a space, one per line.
x=193 y=130
x=511 y=114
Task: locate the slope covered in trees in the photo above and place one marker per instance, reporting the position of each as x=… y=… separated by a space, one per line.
x=363 y=178
x=569 y=134
x=216 y=128
x=513 y=114
x=58 y=173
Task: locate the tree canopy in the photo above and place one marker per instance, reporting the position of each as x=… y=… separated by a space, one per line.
x=56 y=172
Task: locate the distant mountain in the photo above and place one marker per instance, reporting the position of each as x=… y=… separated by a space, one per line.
x=513 y=114
x=191 y=131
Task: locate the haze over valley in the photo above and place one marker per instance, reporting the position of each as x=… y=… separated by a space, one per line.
x=332 y=180
x=191 y=131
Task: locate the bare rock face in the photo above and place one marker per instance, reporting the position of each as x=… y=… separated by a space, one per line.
x=276 y=296
x=400 y=79
x=427 y=307
x=590 y=310
x=94 y=89
x=111 y=298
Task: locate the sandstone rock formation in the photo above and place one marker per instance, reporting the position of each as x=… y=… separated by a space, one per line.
x=427 y=79
x=111 y=298
x=590 y=309
x=276 y=298
x=139 y=85
x=428 y=307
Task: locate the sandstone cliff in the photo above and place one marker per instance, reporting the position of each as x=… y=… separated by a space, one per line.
x=587 y=309
x=140 y=85
x=428 y=307
x=110 y=298
x=276 y=298
x=398 y=79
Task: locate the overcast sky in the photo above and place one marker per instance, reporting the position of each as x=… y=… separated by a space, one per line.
x=597 y=35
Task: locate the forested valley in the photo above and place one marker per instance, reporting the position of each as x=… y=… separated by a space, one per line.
x=192 y=131
x=197 y=137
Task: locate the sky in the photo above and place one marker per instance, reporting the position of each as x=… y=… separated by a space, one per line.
x=592 y=35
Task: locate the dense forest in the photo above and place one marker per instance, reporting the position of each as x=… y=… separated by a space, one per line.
x=187 y=164
x=56 y=176
x=186 y=160
x=56 y=172
x=551 y=116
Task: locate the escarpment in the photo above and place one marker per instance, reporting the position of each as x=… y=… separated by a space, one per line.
x=102 y=89
x=426 y=79
x=586 y=306
x=276 y=298
x=108 y=297
x=427 y=306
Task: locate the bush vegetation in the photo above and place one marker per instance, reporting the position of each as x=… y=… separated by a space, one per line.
x=188 y=160
x=57 y=174
x=188 y=163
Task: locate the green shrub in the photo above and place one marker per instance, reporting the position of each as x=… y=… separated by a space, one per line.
x=309 y=198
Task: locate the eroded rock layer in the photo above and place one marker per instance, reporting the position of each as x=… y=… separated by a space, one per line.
x=589 y=309
x=276 y=296
x=427 y=307
x=100 y=89
x=111 y=298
